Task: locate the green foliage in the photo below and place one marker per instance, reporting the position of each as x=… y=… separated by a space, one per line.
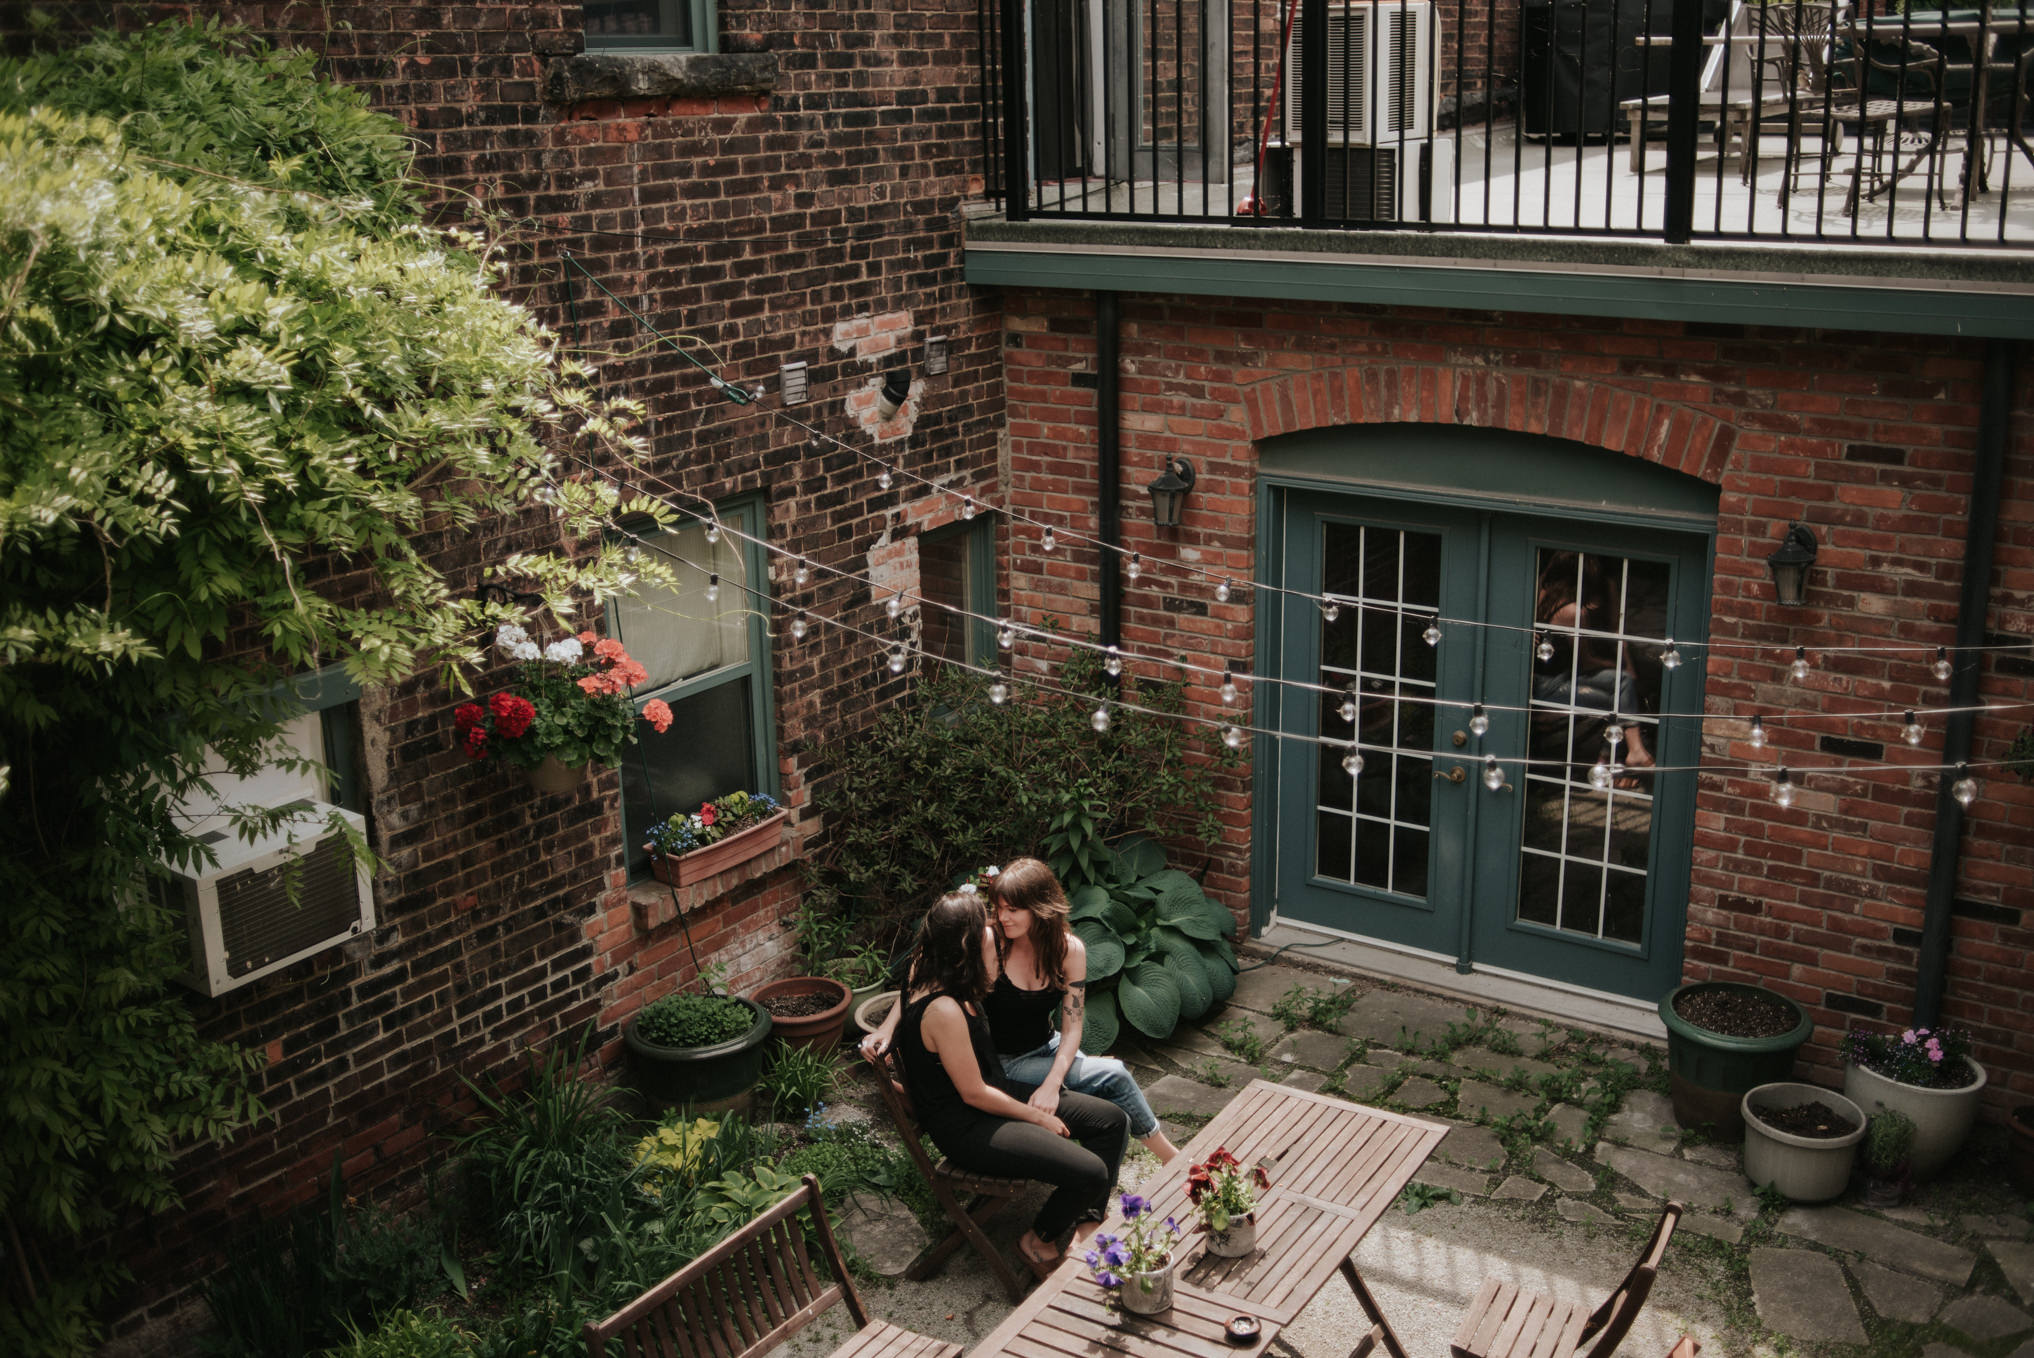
x=230 y=349
x=740 y=1196
x=948 y=781
x=1417 y=1197
x=1304 y=1007
x=669 y=1158
x=846 y=1157
x=408 y=1334
x=1158 y=948
x=2019 y=758
x=1888 y=1140
x=1211 y=1074
x=1241 y=1040
x=692 y=1020
x=797 y=1079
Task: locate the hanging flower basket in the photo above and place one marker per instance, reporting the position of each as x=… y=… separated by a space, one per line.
x=689 y=848
x=568 y=708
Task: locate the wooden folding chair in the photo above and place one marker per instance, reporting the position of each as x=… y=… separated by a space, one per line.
x=986 y=1193
x=1508 y=1321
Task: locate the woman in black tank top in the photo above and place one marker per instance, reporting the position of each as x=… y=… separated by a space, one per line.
x=977 y=1117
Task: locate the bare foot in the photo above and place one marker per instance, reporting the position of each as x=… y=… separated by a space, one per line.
x=1160 y=1145
x=1040 y=1256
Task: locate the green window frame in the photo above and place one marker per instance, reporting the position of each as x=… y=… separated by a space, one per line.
x=650 y=26
x=957 y=567
x=711 y=663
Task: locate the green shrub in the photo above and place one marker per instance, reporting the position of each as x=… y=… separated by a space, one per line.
x=669 y=1158
x=408 y=1334
x=694 y=1020
x=847 y=1158
x=797 y=1080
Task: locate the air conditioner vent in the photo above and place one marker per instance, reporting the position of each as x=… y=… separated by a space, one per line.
x=1379 y=73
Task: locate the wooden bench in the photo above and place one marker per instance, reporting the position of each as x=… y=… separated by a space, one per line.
x=751 y=1292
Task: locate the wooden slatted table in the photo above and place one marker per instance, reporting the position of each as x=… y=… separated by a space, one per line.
x=1335 y=1168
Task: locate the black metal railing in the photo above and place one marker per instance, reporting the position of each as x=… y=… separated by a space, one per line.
x=1666 y=119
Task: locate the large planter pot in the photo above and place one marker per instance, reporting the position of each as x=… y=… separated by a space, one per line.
x=739 y=847
x=554 y=777
x=1804 y=1168
x=1710 y=1072
x=814 y=1032
x=2020 y=1149
x=1147 y=1294
x=1942 y=1117
x=709 y=1079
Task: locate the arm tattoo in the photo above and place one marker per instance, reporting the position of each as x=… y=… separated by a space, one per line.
x=1073 y=1009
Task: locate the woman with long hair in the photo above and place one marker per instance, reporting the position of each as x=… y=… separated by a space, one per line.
x=978 y=1117
x=1044 y=968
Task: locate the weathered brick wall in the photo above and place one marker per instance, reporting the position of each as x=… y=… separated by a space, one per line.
x=1869 y=440
x=817 y=221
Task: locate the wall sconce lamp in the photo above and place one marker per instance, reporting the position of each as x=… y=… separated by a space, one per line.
x=1168 y=492
x=1789 y=564
x=896 y=391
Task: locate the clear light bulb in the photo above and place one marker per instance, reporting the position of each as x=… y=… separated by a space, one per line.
x=1348 y=710
x=1479 y=721
x=1114 y=663
x=798 y=626
x=1493 y=774
x=1100 y=721
x=1783 y=788
x=1613 y=731
x=1047 y=541
x=1352 y=762
x=1913 y=731
x=1758 y=733
x=967 y=506
x=999 y=693
x=1798 y=671
x=1600 y=775
x=1670 y=659
x=1545 y=650
x=712 y=534
x=712 y=588
x=1942 y=669
x=1432 y=636
x=1330 y=611
x=1006 y=636
x=894 y=605
x=883 y=479
x=1228 y=686
x=1965 y=788
x=1136 y=566
x=1232 y=737
x=1222 y=592
x=800 y=573
x=896 y=660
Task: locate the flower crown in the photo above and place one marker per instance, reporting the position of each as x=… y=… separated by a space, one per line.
x=983 y=882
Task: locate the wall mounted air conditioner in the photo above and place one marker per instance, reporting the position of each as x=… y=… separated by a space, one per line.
x=1409 y=183
x=277 y=900
x=1380 y=73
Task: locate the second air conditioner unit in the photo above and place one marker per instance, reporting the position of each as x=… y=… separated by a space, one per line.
x=1380 y=77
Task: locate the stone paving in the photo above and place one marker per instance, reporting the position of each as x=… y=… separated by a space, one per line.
x=1537 y=1152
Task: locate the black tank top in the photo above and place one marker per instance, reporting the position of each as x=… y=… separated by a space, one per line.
x=941 y=1110
x=1020 y=1020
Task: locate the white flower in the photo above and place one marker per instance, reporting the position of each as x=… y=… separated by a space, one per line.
x=510 y=635
x=564 y=652
x=524 y=650
x=968 y=887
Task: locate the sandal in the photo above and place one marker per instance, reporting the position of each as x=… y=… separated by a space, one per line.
x=1042 y=1266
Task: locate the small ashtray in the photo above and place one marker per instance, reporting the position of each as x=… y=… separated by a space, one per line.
x=1242 y=1330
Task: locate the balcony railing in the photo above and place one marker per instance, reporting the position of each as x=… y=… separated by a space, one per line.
x=1799 y=120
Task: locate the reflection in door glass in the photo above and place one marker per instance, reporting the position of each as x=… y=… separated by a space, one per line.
x=1600 y=631
x=1372 y=829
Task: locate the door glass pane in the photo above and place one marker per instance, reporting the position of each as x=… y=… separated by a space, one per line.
x=1372 y=829
x=1599 y=624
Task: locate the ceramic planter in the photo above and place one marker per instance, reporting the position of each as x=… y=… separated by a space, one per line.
x=814 y=1032
x=1942 y=1117
x=1804 y=1168
x=1238 y=1240
x=708 y=1079
x=1710 y=1072
x=869 y=1013
x=1148 y=1294
x=739 y=847
x=552 y=777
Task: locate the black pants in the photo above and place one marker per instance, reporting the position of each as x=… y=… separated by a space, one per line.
x=1081 y=1168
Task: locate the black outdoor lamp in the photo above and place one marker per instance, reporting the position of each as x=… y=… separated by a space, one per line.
x=1789 y=564
x=1168 y=492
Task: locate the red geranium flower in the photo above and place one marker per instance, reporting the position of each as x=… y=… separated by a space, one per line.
x=708 y=813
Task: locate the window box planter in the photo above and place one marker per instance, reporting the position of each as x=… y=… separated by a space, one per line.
x=697 y=865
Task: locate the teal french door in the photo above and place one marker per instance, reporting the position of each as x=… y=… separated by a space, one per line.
x=1568 y=857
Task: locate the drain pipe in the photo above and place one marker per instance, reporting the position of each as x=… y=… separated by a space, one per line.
x=1995 y=404
x=1108 y=468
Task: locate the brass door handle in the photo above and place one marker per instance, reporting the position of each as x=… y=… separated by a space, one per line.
x=1454 y=775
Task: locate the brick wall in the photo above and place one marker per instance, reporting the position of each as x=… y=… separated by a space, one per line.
x=1869 y=440
x=815 y=221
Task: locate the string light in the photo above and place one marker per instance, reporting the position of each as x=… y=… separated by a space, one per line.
x=1135 y=567
x=1545 y=650
x=1006 y=636
x=712 y=532
x=1783 y=787
x=1479 y=721
x=1432 y=636
x=1330 y=611
x=798 y=625
x=967 y=506
x=1228 y=685
x=1222 y=591
x=1493 y=774
x=1670 y=659
x=1613 y=733
x=1100 y=721
x=1348 y=709
x=1047 y=541
x=1798 y=671
x=1352 y=762
x=1758 y=732
x=713 y=588
x=1942 y=669
x=1602 y=774
x=1232 y=737
x=800 y=574
x=1965 y=788
x=883 y=479
x=1912 y=732
x=1114 y=663
x=897 y=660
x=999 y=692
x=894 y=605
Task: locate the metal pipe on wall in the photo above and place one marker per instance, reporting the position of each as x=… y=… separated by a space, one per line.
x=1108 y=468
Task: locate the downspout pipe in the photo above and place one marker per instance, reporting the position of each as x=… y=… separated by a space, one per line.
x=1108 y=465
x=1995 y=405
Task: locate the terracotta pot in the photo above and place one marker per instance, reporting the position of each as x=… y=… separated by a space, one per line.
x=553 y=777
x=719 y=856
x=1942 y=1117
x=814 y=1032
x=1237 y=1241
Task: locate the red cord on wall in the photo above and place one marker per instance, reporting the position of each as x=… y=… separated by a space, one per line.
x=1253 y=206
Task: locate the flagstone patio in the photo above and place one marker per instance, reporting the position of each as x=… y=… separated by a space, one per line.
x=1949 y=1273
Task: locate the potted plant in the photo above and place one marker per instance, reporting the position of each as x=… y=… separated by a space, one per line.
x=692 y=845
x=1799 y=1140
x=568 y=707
x=698 y=1049
x=1135 y=1268
x=1888 y=1142
x=831 y=945
x=1929 y=1075
x=1224 y=1195
x=806 y=1011
x=1724 y=1038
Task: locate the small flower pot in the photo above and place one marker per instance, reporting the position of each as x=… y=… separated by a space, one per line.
x=1238 y=1240
x=818 y=1031
x=1803 y=1168
x=1147 y=1294
x=739 y=847
x=552 y=777
x=870 y=1012
x=1942 y=1117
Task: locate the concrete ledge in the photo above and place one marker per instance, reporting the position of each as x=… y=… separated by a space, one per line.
x=658 y=75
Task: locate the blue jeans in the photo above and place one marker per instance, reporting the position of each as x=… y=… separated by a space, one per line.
x=1104 y=1077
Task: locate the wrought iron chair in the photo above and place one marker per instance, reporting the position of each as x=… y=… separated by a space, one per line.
x=1915 y=114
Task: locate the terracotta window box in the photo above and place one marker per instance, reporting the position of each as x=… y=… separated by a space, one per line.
x=739 y=847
